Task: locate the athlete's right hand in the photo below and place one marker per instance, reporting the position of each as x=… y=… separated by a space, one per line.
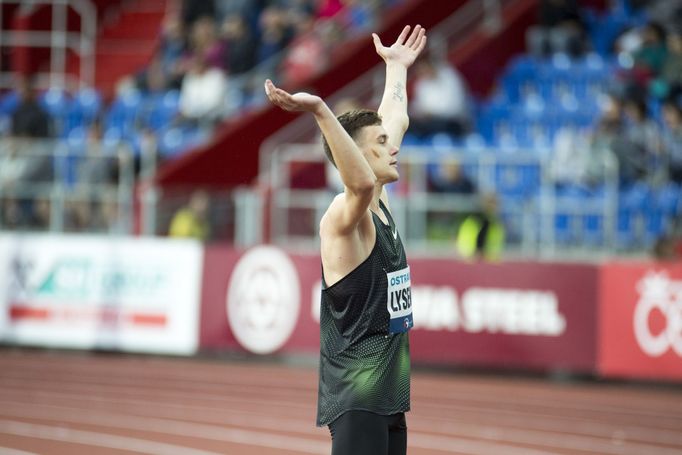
x=300 y=101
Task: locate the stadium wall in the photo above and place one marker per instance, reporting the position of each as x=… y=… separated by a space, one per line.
x=165 y=296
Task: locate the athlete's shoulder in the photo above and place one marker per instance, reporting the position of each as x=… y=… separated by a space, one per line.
x=332 y=217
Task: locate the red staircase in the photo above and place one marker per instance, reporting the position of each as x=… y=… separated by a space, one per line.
x=126 y=41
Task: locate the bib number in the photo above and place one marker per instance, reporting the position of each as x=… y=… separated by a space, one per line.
x=399 y=300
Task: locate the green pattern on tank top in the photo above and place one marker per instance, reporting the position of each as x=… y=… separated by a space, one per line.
x=362 y=365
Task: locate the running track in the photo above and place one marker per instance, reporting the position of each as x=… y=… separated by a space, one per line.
x=77 y=403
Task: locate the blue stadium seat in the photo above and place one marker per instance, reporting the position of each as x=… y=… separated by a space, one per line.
x=669 y=199
x=123 y=112
x=56 y=103
x=84 y=109
x=625 y=229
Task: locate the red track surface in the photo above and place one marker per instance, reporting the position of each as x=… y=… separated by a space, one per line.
x=56 y=403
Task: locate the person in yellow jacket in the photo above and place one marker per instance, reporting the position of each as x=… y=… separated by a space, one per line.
x=191 y=221
x=481 y=235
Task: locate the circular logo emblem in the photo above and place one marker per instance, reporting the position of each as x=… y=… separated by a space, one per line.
x=658 y=293
x=263 y=299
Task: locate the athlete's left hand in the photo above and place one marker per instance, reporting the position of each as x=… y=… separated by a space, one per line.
x=405 y=49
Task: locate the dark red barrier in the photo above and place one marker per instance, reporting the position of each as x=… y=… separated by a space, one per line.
x=522 y=315
x=641 y=321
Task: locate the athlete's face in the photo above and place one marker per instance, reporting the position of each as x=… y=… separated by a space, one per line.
x=380 y=153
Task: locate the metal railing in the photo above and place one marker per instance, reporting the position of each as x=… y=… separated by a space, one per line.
x=58 y=39
x=46 y=185
x=529 y=205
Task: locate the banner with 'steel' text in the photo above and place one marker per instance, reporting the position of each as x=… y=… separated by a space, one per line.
x=522 y=315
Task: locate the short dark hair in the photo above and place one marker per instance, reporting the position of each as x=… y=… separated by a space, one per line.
x=353 y=121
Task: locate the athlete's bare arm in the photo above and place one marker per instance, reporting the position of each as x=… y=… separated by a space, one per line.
x=343 y=244
x=398 y=57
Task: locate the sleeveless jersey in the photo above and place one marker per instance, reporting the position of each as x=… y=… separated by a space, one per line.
x=364 y=345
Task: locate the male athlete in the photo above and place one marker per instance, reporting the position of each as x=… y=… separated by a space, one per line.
x=366 y=307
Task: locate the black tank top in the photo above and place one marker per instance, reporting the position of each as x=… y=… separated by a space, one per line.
x=364 y=345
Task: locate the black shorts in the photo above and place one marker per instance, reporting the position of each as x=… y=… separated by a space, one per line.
x=367 y=433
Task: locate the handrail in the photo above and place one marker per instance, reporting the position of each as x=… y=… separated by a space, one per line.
x=54 y=188
x=58 y=39
x=414 y=201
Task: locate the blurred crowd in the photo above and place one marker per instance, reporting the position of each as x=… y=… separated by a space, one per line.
x=227 y=47
x=213 y=55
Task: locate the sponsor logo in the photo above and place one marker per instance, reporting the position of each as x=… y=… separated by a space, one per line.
x=481 y=310
x=263 y=299
x=659 y=294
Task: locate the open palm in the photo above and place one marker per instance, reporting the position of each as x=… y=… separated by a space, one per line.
x=300 y=101
x=405 y=49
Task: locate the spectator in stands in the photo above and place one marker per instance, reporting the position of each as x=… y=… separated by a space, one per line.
x=96 y=167
x=78 y=214
x=644 y=135
x=569 y=164
x=669 y=83
x=202 y=94
x=153 y=79
x=647 y=57
x=205 y=42
x=481 y=234
x=560 y=28
x=665 y=12
x=650 y=56
x=172 y=47
x=241 y=8
x=39 y=218
x=672 y=139
x=240 y=52
x=28 y=152
x=305 y=55
x=609 y=142
x=12 y=216
x=29 y=119
x=107 y=218
x=446 y=178
x=450 y=178
x=275 y=35
x=356 y=16
x=329 y=8
x=193 y=10
x=191 y=221
x=13 y=165
x=440 y=100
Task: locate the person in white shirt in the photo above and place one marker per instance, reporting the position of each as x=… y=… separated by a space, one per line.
x=439 y=101
x=202 y=96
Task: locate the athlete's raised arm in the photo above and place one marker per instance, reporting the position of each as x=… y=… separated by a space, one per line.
x=357 y=175
x=398 y=57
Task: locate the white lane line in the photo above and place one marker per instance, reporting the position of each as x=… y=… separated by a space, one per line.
x=91 y=438
x=270 y=440
x=557 y=441
x=10 y=451
x=468 y=446
x=259 y=421
x=175 y=427
x=486 y=432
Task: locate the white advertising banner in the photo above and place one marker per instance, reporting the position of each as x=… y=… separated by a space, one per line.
x=92 y=292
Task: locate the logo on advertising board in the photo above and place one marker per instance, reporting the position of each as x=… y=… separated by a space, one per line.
x=660 y=300
x=89 y=291
x=263 y=299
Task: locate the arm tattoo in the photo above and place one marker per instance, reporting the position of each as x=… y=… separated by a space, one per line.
x=398 y=93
